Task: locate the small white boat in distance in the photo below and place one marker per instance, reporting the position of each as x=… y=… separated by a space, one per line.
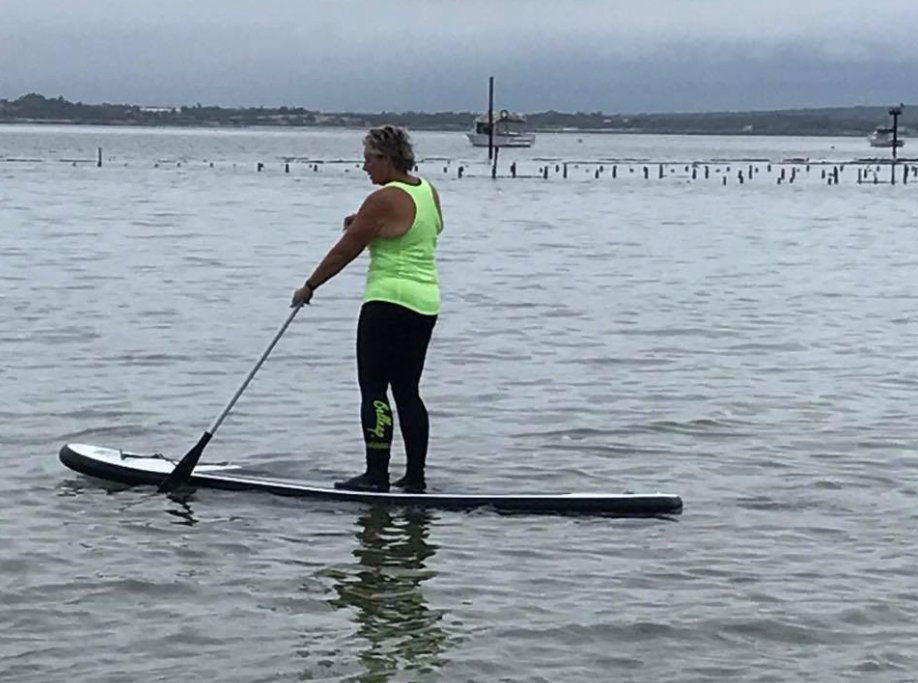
x=883 y=137
x=509 y=131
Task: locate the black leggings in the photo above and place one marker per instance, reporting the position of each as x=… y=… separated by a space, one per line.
x=391 y=347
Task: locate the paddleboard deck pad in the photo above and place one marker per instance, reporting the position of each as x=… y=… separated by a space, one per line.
x=118 y=466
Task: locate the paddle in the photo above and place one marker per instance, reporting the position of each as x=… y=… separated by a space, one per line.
x=182 y=471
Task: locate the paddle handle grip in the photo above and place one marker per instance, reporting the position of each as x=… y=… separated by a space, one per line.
x=229 y=406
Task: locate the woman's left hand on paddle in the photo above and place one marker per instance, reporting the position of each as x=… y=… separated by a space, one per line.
x=301 y=296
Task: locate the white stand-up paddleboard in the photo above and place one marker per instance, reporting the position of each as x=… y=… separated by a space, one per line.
x=118 y=466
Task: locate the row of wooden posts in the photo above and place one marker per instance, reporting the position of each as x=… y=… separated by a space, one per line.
x=866 y=172
x=830 y=175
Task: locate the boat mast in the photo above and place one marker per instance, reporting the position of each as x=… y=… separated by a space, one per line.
x=895 y=112
x=490 y=116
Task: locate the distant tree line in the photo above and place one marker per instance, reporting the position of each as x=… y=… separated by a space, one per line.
x=35 y=108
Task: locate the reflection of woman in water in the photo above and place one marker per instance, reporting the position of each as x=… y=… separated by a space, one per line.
x=385 y=590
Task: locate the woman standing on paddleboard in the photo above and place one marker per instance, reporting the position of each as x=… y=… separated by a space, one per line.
x=399 y=223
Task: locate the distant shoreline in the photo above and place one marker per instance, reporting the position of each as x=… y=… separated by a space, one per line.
x=443 y=129
x=858 y=121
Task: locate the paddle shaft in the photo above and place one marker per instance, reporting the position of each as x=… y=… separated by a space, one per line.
x=183 y=470
x=242 y=387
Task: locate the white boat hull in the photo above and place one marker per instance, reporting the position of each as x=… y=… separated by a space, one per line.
x=886 y=143
x=517 y=140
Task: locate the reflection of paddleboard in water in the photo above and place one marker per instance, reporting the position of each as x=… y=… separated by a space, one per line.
x=135 y=469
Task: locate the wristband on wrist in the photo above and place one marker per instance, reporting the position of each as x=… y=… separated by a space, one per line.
x=311 y=286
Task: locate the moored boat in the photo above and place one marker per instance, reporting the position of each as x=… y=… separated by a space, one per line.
x=509 y=131
x=885 y=137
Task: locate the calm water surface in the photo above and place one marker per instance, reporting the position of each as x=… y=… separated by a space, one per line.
x=753 y=348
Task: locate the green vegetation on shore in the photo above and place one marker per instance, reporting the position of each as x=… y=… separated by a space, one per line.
x=838 y=121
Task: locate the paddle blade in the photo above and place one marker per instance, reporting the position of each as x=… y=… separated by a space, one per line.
x=182 y=471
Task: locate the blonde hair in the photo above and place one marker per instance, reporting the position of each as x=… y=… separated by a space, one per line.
x=391 y=142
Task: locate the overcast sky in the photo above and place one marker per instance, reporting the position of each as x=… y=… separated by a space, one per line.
x=616 y=56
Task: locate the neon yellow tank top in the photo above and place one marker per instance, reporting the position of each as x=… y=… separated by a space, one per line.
x=403 y=269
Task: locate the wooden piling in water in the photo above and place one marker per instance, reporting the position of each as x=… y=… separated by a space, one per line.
x=99 y=160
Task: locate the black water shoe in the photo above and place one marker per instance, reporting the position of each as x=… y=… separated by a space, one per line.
x=411 y=484
x=365 y=482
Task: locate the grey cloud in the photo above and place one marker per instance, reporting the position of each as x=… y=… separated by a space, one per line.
x=351 y=54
